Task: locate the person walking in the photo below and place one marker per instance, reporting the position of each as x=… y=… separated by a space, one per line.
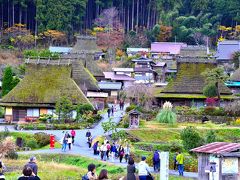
x=180 y=161
x=109 y=112
x=89 y=142
x=33 y=164
x=131 y=169
x=73 y=134
x=64 y=142
x=88 y=134
x=2 y=167
x=95 y=146
x=28 y=174
x=108 y=145
x=121 y=153
x=69 y=141
x=113 y=151
x=103 y=175
x=143 y=169
x=156 y=161
x=127 y=152
x=112 y=110
x=103 y=150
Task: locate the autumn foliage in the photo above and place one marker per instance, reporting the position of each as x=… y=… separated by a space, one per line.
x=6 y=146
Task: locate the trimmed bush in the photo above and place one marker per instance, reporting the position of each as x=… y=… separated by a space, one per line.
x=42 y=139
x=191 y=138
x=32 y=143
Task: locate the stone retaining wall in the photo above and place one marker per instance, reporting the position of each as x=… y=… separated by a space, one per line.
x=195 y=118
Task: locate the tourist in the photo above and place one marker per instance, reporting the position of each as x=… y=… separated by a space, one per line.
x=98 y=149
x=156 y=161
x=127 y=152
x=28 y=174
x=103 y=150
x=112 y=110
x=175 y=161
x=73 y=133
x=69 y=141
x=143 y=169
x=108 y=145
x=180 y=161
x=2 y=167
x=103 y=175
x=95 y=146
x=64 y=142
x=33 y=164
x=91 y=175
x=131 y=169
x=113 y=151
x=88 y=134
x=89 y=141
x=109 y=112
x=105 y=140
x=120 y=153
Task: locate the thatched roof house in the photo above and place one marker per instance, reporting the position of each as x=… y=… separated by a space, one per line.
x=189 y=83
x=38 y=92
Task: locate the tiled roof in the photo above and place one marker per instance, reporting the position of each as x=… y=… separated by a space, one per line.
x=117 y=77
x=137 y=50
x=60 y=49
x=142 y=59
x=226 y=49
x=217 y=148
x=167 y=47
x=160 y=64
x=110 y=85
x=123 y=69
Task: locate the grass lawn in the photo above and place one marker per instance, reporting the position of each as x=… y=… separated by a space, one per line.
x=61 y=167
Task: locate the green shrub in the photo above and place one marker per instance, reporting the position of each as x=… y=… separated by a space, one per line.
x=190 y=138
x=42 y=139
x=2 y=112
x=131 y=107
x=32 y=143
x=44 y=117
x=210 y=136
x=35 y=53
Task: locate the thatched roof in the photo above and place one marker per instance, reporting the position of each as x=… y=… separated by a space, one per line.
x=83 y=77
x=189 y=79
x=43 y=86
x=92 y=66
x=236 y=75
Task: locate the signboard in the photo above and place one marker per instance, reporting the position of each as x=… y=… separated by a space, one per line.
x=164 y=166
x=230 y=165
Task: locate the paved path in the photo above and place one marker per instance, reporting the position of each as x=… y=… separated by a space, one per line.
x=81 y=147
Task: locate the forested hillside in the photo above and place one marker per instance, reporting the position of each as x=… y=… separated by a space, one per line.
x=187 y=18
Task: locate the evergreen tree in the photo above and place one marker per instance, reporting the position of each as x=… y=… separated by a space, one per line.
x=7 y=80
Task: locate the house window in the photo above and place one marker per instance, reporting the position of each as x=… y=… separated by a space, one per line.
x=33 y=112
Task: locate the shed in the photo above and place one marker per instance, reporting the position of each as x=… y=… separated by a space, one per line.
x=218 y=160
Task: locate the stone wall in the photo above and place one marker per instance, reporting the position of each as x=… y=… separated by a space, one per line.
x=194 y=118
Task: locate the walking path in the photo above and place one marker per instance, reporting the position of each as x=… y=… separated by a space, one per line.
x=81 y=146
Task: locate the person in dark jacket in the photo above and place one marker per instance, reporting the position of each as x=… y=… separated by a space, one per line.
x=88 y=134
x=33 y=164
x=131 y=169
x=109 y=112
x=95 y=147
x=28 y=174
x=112 y=109
x=121 y=153
x=156 y=161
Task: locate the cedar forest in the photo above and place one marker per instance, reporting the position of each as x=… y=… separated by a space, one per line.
x=190 y=21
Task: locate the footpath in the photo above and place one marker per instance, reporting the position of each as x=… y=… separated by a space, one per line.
x=81 y=146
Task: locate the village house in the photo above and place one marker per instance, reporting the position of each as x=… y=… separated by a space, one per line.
x=187 y=87
x=60 y=50
x=218 y=160
x=166 y=50
x=225 y=51
x=40 y=89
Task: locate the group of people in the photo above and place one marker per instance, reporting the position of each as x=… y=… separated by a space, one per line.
x=107 y=150
x=29 y=172
x=68 y=140
x=110 y=111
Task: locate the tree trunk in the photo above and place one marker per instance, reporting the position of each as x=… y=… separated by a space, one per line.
x=148 y=15
x=132 y=14
x=8 y=15
x=13 y=14
x=137 y=15
x=218 y=93
x=128 y=19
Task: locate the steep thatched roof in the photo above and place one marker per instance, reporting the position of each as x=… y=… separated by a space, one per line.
x=92 y=66
x=189 y=79
x=83 y=77
x=236 y=75
x=43 y=86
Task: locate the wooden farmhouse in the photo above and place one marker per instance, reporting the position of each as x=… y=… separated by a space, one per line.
x=38 y=92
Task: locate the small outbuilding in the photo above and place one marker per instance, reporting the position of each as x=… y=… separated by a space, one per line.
x=218 y=161
x=134 y=118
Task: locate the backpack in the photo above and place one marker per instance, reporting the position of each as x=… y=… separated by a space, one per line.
x=85 y=177
x=108 y=147
x=156 y=156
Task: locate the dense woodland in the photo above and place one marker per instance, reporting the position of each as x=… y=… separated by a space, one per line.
x=188 y=19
